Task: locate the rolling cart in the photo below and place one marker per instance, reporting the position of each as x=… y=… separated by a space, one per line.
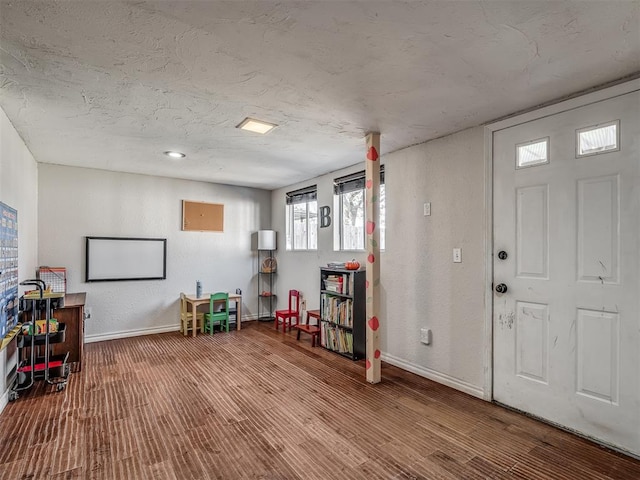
x=36 y=359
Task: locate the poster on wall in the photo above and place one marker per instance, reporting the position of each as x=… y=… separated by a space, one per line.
x=8 y=269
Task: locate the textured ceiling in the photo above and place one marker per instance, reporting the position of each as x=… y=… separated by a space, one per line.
x=112 y=85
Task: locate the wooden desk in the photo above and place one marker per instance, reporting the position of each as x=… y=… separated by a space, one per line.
x=204 y=299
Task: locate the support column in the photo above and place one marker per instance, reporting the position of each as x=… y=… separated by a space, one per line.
x=372 y=178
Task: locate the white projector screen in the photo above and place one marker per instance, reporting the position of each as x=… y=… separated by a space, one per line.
x=112 y=258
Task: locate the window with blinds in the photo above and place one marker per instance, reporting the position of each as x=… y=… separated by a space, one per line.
x=302 y=219
x=349 y=194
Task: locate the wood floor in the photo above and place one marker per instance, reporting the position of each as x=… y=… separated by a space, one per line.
x=257 y=404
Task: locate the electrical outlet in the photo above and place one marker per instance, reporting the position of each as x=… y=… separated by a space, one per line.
x=427 y=209
x=457 y=255
x=425 y=336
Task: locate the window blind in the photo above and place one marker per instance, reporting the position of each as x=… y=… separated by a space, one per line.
x=303 y=195
x=355 y=181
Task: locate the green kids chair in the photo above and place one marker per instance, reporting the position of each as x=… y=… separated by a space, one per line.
x=214 y=317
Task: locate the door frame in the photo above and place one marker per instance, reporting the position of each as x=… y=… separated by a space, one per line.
x=579 y=100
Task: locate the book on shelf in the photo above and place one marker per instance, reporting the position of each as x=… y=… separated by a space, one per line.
x=336 y=339
x=334 y=283
x=336 y=310
x=339 y=283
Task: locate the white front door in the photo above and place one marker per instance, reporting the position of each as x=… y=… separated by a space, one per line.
x=567 y=217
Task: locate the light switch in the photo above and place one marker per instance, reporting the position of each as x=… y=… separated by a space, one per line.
x=457 y=255
x=425 y=336
x=427 y=209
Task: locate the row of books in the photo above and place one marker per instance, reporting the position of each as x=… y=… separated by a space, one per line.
x=336 y=309
x=336 y=339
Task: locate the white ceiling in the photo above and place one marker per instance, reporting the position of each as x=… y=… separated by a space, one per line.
x=112 y=85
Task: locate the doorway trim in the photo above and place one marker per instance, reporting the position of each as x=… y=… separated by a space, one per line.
x=605 y=93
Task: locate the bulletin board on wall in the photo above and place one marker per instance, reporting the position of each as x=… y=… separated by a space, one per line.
x=202 y=217
x=8 y=269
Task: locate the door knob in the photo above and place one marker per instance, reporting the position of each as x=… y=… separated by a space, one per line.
x=502 y=255
x=501 y=288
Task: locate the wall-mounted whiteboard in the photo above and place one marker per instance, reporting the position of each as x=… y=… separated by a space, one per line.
x=113 y=258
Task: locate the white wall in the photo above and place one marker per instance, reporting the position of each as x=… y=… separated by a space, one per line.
x=19 y=190
x=420 y=286
x=78 y=202
x=424 y=287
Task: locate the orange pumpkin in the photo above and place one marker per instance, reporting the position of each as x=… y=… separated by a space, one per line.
x=352 y=265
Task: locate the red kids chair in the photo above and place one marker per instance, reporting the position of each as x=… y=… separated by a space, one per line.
x=287 y=315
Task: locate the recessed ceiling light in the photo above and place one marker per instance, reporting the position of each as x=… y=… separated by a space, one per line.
x=174 y=154
x=256 y=126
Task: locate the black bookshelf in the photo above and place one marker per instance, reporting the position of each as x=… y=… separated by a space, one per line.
x=343 y=311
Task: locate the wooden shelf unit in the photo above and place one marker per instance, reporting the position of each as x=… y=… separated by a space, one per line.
x=343 y=311
x=72 y=313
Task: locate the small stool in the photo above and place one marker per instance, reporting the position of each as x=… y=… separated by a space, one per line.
x=313 y=330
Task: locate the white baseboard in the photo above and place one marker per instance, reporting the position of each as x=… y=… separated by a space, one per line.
x=4 y=400
x=434 y=375
x=102 y=337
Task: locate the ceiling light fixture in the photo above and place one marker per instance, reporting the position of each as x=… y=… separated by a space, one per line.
x=174 y=154
x=256 y=126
